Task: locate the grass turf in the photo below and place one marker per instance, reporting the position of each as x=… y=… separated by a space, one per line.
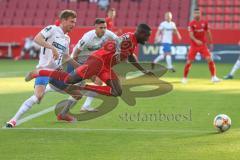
x=117 y=136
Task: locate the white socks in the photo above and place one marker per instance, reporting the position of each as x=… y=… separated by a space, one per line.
x=25 y=107
x=235 y=67
x=169 y=61
x=89 y=99
x=159 y=58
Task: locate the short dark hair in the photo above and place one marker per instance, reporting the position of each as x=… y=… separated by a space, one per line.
x=143 y=27
x=65 y=14
x=99 y=21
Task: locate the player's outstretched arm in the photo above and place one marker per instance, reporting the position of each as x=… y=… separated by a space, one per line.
x=134 y=62
x=40 y=40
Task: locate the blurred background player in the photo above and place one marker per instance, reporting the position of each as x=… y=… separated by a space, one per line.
x=234 y=69
x=29 y=47
x=110 y=18
x=90 y=42
x=54 y=43
x=164 y=35
x=197 y=30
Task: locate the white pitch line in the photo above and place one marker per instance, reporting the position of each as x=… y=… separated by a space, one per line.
x=115 y=130
x=35 y=115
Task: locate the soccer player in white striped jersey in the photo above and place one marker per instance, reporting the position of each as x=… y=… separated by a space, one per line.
x=54 y=43
x=90 y=42
x=164 y=35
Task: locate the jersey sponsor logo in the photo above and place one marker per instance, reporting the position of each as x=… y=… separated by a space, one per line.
x=168 y=29
x=59 y=46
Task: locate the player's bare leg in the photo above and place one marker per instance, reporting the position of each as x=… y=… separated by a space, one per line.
x=75 y=96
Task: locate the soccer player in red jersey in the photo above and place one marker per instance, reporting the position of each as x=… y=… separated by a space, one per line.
x=100 y=63
x=198 y=28
x=110 y=18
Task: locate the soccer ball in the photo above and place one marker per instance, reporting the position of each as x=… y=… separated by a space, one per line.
x=222 y=122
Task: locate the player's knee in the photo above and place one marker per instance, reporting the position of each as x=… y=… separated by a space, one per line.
x=189 y=62
x=209 y=59
x=39 y=97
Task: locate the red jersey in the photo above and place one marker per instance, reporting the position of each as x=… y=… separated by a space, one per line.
x=110 y=23
x=114 y=52
x=199 y=29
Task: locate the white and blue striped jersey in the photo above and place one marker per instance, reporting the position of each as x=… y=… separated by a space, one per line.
x=167 y=29
x=56 y=37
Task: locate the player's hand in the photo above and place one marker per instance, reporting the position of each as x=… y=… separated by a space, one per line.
x=199 y=42
x=211 y=47
x=55 y=53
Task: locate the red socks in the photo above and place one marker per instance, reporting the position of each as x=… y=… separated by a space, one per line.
x=186 y=69
x=58 y=75
x=212 y=68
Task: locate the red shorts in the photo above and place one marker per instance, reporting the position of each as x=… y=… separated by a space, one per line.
x=203 y=50
x=95 y=66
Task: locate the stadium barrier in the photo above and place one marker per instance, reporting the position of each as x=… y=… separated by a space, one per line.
x=16 y=34
x=222 y=52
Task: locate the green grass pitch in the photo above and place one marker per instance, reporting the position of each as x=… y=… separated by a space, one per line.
x=115 y=137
